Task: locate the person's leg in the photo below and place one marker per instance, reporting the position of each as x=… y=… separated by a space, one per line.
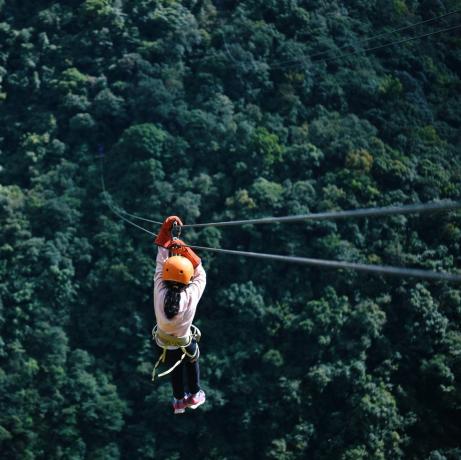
x=197 y=396
x=193 y=376
x=177 y=381
x=192 y=367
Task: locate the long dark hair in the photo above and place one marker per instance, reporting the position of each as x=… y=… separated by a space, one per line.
x=172 y=298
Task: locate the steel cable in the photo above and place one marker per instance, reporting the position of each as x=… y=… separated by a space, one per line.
x=375 y=48
x=331 y=215
x=377 y=269
x=398 y=42
x=116 y=210
x=362 y=41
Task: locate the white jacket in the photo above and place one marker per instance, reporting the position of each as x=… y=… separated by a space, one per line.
x=179 y=325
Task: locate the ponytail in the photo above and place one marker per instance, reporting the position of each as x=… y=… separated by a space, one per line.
x=172 y=299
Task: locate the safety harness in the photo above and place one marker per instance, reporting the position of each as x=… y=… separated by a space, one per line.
x=168 y=340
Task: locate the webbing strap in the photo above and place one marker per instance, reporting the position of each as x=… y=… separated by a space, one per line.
x=171 y=369
x=170 y=340
x=195 y=334
x=161 y=359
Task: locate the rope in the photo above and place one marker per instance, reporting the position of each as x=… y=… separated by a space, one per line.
x=367 y=212
x=377 y=269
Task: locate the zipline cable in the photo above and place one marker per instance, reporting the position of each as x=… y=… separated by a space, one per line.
x=365 y=40
x=108 y=199
x=361 y=41
x=377 y=269
x=405 y=40
x=398 y=42
x=331 y=215
x=127 y=220
x=138 y=217
x=400 y=29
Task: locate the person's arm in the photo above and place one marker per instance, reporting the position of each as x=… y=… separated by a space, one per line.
x=162 y=256
x=198 y=283
x=162 y=240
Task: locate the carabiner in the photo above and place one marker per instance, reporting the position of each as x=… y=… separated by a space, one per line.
x=175 y=229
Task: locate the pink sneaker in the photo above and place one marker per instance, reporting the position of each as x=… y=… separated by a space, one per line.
x=193 y=401
x=179 y=406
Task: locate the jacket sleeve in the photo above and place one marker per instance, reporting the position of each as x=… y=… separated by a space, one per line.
x=162 y=256
x=198 y=283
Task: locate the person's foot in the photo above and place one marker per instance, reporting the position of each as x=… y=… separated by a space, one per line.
x=194 y=400
x=179 y=406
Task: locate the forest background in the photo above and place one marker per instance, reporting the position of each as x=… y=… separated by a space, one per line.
x=218 y=110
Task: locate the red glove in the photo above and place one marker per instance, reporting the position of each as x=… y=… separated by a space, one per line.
x=179 y=248
x=164 y=237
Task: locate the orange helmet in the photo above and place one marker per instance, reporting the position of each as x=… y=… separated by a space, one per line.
x=178 y=269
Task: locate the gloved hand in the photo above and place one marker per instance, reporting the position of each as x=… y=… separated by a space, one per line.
x=164 y=237
x=179 y=248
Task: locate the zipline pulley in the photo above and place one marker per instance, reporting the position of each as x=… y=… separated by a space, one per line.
x=176 y=230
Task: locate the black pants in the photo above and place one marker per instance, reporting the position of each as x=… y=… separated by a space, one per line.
x=188 y=366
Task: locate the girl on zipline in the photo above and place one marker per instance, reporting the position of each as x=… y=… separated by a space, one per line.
x=179 y=282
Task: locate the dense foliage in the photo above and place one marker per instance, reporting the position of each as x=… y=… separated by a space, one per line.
x=220 y=110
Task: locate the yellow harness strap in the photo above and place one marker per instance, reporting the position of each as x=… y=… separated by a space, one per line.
x=180 y=342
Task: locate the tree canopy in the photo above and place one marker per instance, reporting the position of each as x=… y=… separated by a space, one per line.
x=217 y=110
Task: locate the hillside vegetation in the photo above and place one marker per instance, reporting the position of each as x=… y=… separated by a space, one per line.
x=221 y=110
